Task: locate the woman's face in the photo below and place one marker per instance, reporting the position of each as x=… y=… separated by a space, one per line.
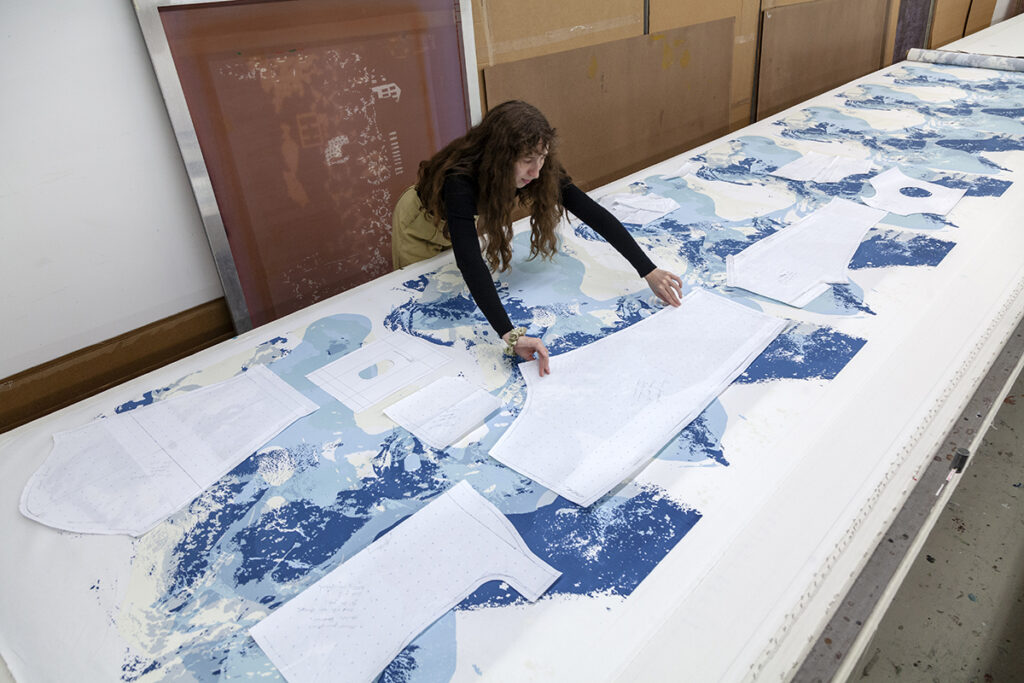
x=528 y=167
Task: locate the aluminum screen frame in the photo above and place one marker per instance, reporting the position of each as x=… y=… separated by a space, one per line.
x=157 y=44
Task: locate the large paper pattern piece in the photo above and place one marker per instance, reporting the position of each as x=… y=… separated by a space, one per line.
x=898 y=193
x=355 y=620
x=822 y=168
x=609 y=407
x=638 y=209
x=796 y=264
x=443 y=412
x=372 y=373
x=126 y=473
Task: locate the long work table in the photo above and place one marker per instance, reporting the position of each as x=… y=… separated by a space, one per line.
x=722 y=559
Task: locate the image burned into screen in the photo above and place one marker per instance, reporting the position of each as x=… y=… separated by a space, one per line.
x=312 y=117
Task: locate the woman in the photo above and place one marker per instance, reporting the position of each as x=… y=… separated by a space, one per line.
x=469 y=190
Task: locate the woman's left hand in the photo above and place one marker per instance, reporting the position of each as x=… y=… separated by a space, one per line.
x=668 y=286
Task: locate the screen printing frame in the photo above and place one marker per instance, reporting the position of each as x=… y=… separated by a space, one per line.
x=148 y=13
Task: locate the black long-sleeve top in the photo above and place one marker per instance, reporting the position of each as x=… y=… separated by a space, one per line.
x=460 y=197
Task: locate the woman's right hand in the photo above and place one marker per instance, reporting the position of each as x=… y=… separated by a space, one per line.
x=532 y=348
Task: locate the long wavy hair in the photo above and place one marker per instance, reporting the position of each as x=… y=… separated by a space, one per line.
x=488 y=152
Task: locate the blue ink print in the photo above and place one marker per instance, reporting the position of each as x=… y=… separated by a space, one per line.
x=607 y=548
x=846 y=297
x=148 y=398
x=887 y=248
x=370 y=372
x=1013 y=113
x=700 y=442
x=194 y=550
x=584 y=231
x=993 y=143
x=429 y=657
x=804 y=352
x=417 y=285
x=421 y=318
x=976 y=186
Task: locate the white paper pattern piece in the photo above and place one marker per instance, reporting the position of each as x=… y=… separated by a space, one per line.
x=822 y=168
x=898 y=193
x=685 y=169
x=796 y=264
x=609 y=407
x=443 y=412
x=126 y=473
x=350 y=624
x=372 y=373
x=638 y=209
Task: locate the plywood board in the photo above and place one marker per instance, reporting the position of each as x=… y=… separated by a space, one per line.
x=948 y=20
x=772 y=4
x=506 y=32
x=980 y=15
x=666 y=15
x=628 y=103
x=1005 y=38
x=891 y=21
x=810 y=48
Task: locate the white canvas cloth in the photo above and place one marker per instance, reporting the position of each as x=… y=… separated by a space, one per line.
x=126 y=473
x=350 y=624
x=822 y=168
x=898 y=193
x=444 y=411
x=796 y=264
x=368 y=375
x=638 y=209
x=609 y=407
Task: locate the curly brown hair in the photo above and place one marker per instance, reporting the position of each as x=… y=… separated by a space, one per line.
x=488 y=152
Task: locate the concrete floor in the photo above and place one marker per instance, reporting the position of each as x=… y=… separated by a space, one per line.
x=959 y=614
